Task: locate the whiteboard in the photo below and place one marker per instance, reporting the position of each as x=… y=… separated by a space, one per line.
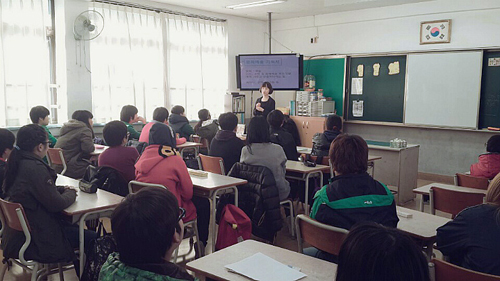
x=443 y=89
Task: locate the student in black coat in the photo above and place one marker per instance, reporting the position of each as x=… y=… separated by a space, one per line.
x=471 y=240
x=7 y=140
x=322 y=141
x=279 y=136
x=226 y=144
x=264 y=104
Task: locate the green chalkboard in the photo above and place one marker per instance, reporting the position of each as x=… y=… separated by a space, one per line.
x=382 y=95
x=330 y=76
x=489 y=110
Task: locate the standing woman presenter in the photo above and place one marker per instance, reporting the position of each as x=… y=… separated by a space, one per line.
x=264 y=104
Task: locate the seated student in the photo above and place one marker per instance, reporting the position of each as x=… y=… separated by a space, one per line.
x=160 y=163
x=279 y=136
x=144 y=249
x=31 y=182
x=261 y=152
x=342 y=203
x=322 y=141
x=489 y=162
x=76 y=141
x=226 y=144
x=7 y=140
x=206 y=128
x=118 y=156
x=290 y=126
x=40 y=115
x=160 y=114
x=180 y=123
x=372 y=252
x=129 y=116
x=471 y=239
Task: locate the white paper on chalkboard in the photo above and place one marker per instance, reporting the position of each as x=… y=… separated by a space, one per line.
x=357 y=86
x=357 y=108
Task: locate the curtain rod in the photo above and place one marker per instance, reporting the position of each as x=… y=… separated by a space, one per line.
x=159 y=10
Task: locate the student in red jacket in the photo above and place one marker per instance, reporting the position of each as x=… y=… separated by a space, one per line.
x=489 y=162
x=161 y=163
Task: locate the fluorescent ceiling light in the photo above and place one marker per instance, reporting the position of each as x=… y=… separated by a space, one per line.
x=254 y=4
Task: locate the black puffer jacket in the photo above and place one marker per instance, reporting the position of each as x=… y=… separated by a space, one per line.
x=259 y=199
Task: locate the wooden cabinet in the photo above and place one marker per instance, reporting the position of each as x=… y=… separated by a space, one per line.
x=308 y=126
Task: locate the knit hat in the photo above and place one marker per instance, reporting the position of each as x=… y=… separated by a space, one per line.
x=161 y=134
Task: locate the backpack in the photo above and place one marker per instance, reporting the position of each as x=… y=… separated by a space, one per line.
x=139 y=145
x=234 y=226
x=111 y=180
x=96 y=255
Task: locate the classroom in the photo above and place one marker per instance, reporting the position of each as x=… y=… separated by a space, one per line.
x=96 y=64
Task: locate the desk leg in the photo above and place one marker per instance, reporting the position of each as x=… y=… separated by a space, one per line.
x=421 y=205
x=197 y=155
x=81 y=234
x=428 y=250
x=213 y=206
x=320 y=174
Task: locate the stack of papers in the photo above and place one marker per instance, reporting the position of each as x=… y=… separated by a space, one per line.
x=263 y=268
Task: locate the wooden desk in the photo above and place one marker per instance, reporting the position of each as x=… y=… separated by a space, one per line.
x=212 y=186
x=88 y=206
x=398 y=167
x=213 y=265
x=425 y=190
x=421 y=226
x=306 y=172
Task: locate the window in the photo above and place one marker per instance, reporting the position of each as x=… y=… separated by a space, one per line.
x=127 y=62
x=25 y=63
x=151 y=59
x=197 y=64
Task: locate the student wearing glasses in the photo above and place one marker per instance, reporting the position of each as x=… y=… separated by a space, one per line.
x=144 y=249
x=118 y=156
x=31 y=182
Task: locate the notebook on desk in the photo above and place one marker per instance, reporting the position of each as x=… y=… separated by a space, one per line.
x=240 y=130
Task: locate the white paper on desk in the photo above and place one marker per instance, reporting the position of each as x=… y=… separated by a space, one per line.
x=263 y=268
x=357 y=86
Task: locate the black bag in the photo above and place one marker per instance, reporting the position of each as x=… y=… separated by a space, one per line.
x=89 y=183
x=111 y=180
x=96 y=255
x=140 y=146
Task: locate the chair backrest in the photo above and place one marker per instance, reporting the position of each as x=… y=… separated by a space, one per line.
x=212 y=164
x=452 y=201
x=472 y=181
x=135 y=186
x=324 y=237
x=10 y=216
x=203 y=141
x=14 y=216
x=56 y=157
x=445 y=271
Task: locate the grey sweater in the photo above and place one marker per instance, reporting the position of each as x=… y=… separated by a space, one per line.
x=272 y=156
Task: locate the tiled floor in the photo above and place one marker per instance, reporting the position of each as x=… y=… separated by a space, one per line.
x=284 y=240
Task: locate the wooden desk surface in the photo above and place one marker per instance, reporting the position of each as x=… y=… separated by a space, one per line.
x=297 y=166
x=422 y=225
x=99 y=149
x=86 y=202
x=213 y=265
x=215 y=181
x=424 y=190
x=189 y=144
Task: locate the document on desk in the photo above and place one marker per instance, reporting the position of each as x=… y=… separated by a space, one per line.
x=263 y=268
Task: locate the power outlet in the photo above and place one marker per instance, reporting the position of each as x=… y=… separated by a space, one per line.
x=314 y=39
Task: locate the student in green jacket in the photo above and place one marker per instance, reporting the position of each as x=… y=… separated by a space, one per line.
x=40 y=115
x=144 y=249
x=128 y=115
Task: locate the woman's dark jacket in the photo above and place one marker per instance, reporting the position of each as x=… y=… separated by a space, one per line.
x=259 y=199
x=34 y=188
x=472 y=239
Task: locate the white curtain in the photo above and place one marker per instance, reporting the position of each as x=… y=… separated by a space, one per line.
x=127 y=62
x=196 y=64
x=24 y=59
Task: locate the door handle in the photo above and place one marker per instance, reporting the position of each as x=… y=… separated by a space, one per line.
x=307 y=125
